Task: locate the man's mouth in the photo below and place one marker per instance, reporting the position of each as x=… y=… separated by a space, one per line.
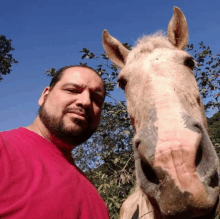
x=79 y=115
x=79 y=112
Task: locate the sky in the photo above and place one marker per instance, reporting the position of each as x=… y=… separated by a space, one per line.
x=49 y=34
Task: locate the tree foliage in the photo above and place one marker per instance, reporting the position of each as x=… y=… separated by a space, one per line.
x=207 y=74
x=214 y=131
x=107 y=157
x=6 y=58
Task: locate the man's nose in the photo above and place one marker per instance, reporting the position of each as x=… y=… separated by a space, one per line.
x=84 y=99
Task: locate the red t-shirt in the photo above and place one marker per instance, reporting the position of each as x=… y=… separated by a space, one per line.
x=37 y=181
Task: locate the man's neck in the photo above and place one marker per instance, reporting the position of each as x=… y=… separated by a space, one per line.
x=39 y=128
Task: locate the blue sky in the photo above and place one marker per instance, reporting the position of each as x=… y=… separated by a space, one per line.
x=48 y=34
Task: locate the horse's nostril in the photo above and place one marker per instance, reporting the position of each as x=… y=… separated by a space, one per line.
x=149 y=173
x=198 y=156
x=214 y=180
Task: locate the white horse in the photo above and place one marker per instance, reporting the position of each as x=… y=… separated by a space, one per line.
x=177 y=168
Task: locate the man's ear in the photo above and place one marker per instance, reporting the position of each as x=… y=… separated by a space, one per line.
x=44 y=95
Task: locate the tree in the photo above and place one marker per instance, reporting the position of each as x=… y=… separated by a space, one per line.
x=214 y=131
x=207 y=74
x=107 y=158
x=6 y=58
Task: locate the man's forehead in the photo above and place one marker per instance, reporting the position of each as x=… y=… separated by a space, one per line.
x=80 y=73
x=71 y=74
x=83 y=76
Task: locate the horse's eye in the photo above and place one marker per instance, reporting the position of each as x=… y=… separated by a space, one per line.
x=122 y=83
x=190 y=63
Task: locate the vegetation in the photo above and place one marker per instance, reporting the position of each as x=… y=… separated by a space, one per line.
x=6 y=58
x=107 y=158
x=207 y=74
x=214 y=131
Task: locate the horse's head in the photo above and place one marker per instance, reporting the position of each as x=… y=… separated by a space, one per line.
x=176 y=164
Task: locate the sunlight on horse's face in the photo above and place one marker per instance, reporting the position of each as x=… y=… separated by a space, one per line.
x=175 y=161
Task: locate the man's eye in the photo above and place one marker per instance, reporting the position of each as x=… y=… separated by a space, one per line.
x=72 y=90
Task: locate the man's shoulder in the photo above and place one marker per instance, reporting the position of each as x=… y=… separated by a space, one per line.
x=11 y=133
x=16 y=136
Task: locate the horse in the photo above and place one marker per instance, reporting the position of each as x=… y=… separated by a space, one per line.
x=176 y=166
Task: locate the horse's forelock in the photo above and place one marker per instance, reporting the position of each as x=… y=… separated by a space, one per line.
x=148 y=43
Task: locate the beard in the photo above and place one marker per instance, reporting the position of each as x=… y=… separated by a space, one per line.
x=72 y=136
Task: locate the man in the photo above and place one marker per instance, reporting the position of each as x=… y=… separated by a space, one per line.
x=38 y=178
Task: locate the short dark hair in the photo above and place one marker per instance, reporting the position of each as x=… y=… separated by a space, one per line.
x=59 y=74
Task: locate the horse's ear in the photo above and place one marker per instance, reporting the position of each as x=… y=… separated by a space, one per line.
x=177 y=29
x=114 y=49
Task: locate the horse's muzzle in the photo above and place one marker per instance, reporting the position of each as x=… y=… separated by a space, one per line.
x=179 y=172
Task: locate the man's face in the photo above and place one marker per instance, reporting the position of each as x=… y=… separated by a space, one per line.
x=71 y=110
